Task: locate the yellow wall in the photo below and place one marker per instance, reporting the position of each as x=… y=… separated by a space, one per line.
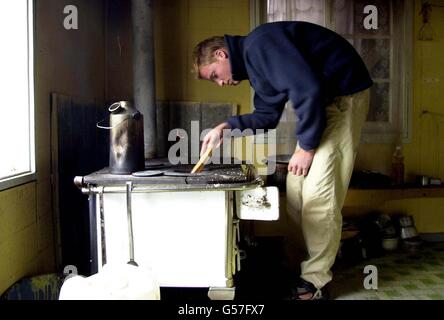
x=179 y=26
x=69 y=62
x=23 y=249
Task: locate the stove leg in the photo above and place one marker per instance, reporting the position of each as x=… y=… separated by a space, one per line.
x=221 y=293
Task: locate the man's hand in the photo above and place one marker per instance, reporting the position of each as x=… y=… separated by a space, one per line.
x=300 y=162
x=214 y=138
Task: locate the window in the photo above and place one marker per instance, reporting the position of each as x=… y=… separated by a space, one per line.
x=385 y=50
x=17 y=164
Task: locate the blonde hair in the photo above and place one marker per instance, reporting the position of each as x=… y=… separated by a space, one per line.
x=203 y=53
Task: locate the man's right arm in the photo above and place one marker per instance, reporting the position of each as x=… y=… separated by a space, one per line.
x=214 y=138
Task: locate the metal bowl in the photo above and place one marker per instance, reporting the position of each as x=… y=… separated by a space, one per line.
x=390 y=244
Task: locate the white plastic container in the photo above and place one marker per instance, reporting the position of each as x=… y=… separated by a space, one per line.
x=113 y=282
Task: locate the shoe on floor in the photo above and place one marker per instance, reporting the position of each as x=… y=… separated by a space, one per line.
x=305 y=290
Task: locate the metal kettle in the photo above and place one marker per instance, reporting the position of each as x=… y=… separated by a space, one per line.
x=126 y=154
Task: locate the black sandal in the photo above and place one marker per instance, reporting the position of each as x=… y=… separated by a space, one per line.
x=305 y=288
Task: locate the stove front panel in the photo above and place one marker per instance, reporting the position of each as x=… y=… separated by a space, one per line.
x=184 y=237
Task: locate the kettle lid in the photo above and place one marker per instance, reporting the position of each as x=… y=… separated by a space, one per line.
x=120 y=106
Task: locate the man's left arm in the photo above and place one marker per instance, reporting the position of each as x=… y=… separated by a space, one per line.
x=288 y=71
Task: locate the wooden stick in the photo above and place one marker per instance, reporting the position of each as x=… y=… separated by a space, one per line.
x=200 y=164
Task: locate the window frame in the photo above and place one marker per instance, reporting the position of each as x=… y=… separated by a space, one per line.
x=375 y=132
x=27 y=176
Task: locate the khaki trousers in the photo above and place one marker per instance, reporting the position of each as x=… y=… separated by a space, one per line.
x=314 y=203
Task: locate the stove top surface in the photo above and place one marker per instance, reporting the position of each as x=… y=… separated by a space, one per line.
x=165 y=173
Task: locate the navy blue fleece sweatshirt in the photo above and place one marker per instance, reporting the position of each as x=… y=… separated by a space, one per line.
x=298 y=61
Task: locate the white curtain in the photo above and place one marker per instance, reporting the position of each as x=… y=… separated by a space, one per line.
x=302 y=10
x=343 y=16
